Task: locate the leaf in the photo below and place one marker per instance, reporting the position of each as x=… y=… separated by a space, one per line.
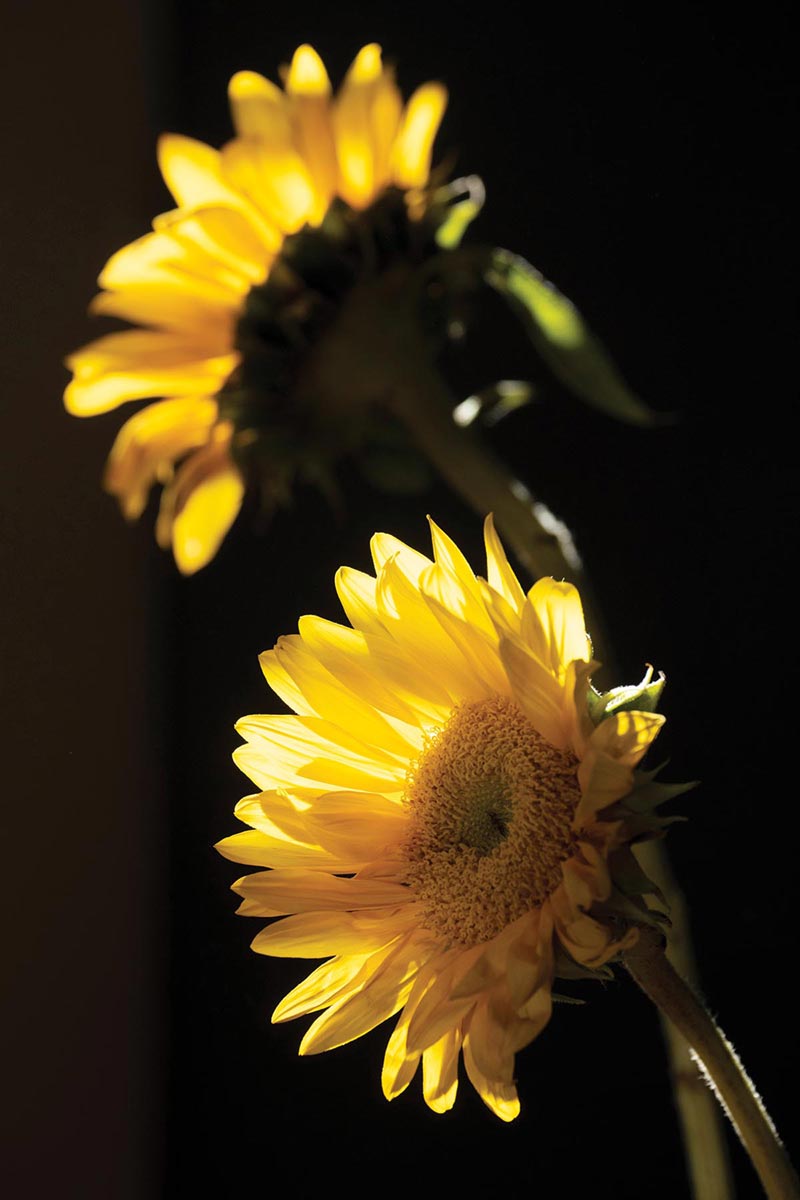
x=457 y=214
x=570 y=349
x=493 y=403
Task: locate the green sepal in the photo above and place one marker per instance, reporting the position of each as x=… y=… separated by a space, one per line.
x=637 y=697
x=493 y=403
x=570 y=349
x=451 y=216
x=647 y=795
x=565 y=967
x=629 y=877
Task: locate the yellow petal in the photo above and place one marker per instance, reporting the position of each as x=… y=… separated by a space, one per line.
x=307 y=75
x=553 y=625
x=276 y=893
x=137 y=364
x=437 y=1013
x=376 y=669
x=151 y=442
x=385 y=116
x=496 y=1033
x=172 y=307
x=382 y=993
x=352 y=125
x=309 y=88
x=159 y=259
x=305 y=751
x=414 y=144
x=264 y=162
x=412 y=624
x=273 y=666
x=385 y=546
x=273 y=176
x=330 y=699
x=122 y=351
x=440 y=1072
x=586 y=877
x=321 y=987
x=224 y=236
x=356 y=828
x=499 y=574
x=279 y=814
x=478 y=648
x=467 y=597
x=258 y=107
x=193 y=172
x=322 y=934
x=535 y=691
x=356 y=592
x=587 y=940
x=497 y=1094
x=617 y=745
x=200 y=505
x=356 y=825
x=259 y=849
x=399 y=1065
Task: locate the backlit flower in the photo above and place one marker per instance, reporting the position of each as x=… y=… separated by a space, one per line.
x=447 y=818
x=222 y=312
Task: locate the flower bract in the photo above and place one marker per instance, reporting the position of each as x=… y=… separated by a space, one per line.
x=446 y=816
x=198 y=285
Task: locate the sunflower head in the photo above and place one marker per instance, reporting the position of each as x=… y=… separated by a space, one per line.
x=448 y=816
x=316 y=196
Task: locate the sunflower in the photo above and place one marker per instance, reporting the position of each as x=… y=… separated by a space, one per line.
x=200 y=283
x=447 y=817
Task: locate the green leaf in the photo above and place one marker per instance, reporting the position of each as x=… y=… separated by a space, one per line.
x=493 y=403
x=457 y=215
x=565 y=342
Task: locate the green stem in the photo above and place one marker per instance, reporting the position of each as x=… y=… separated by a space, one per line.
x=544 y=546
x=698 y=1112
x=658 y=979
x=541 y=542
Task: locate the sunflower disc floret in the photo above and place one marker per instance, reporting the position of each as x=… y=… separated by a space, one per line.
x=445 y=819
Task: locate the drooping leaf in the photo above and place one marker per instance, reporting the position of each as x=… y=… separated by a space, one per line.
x=562 y=337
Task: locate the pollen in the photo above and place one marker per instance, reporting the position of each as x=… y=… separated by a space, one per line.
x=491 y=804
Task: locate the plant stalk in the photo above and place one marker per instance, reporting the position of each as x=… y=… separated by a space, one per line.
x=658 y=979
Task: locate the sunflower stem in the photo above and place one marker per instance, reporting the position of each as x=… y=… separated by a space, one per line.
x=542 y=543
x=544 y=546
x=658 y=979
x=704 y=1141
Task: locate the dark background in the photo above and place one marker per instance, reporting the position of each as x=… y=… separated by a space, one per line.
x=639 y=157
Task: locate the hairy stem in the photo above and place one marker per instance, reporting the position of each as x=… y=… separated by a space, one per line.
x=658 y=979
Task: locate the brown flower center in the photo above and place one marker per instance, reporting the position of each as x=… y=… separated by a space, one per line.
x=490 y=804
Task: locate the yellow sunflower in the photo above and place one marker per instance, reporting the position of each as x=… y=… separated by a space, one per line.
x=447 y=818
x=297 y=152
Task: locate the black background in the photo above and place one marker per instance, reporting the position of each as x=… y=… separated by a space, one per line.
x=640 y=158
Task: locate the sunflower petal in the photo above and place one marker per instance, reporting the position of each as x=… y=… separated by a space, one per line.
x=414 y=143
x=440 y=1072
x=383 y=994
x=276 y=893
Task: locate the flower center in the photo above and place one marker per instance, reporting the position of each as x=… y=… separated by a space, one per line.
x=491 y=804
x=320 y=338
